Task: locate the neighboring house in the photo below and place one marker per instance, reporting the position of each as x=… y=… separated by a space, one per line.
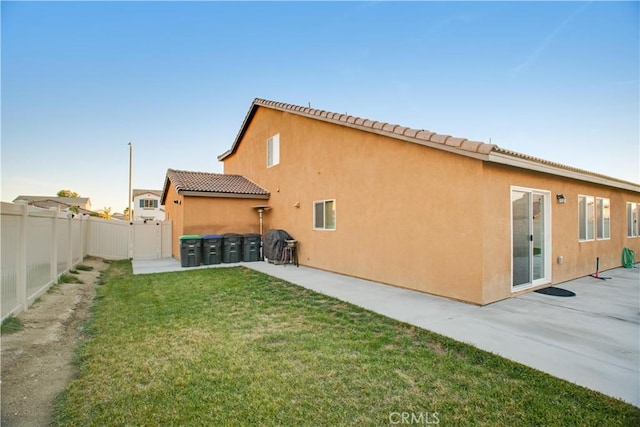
x=210 y=203
x=415 y=209
x=80 y=205
x=147 y=205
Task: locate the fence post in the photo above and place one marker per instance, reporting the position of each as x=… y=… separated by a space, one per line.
x=131 y=238
x=83 y=243
x=21 y=273
x=70 y=241
x=53 y=253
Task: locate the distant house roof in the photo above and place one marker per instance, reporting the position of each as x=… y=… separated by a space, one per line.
x=462 y=146
x=205 y=184
x=49 y=203
x=137 y=192
x=73 y=201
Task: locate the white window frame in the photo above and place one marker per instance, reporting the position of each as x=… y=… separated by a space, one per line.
x=633 y=225
x=149 y=203
x=586 y=221
x=324 y=226
x=273 y=150
x=603 y=218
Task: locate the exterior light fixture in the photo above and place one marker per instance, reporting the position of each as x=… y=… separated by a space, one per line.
x=561 y=198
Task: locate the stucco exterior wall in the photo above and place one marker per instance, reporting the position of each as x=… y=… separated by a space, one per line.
x=406 y=215
x=209 y=215
x=579 y=258
x=174 y=212
x=216 y=215
x=414 y=216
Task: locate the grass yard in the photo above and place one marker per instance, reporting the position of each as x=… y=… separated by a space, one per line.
x=232 y=346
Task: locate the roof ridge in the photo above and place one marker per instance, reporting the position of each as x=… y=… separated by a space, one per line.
x=394 y=130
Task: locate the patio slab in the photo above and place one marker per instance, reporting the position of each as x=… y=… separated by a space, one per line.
x=591 y=339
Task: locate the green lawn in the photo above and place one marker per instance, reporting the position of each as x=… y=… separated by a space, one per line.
x=232 y=346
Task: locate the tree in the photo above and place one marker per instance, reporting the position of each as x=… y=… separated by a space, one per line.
x=105 y=213
x=126 y=212
x=67 y=193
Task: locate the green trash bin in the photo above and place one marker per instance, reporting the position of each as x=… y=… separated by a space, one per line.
x=211 y=249
x=231 y=248
x=190 y=250
x=251 y=247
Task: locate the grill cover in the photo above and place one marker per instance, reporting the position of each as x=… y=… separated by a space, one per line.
x=274 y=243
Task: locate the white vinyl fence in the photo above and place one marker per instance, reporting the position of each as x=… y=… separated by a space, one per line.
x=39 y=245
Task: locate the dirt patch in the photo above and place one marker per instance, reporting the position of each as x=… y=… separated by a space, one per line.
x=37 y=361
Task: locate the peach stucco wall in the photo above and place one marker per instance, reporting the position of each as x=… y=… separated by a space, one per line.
x=405 y=214
x=409 y=215
x=579 y=258
x=210 y=215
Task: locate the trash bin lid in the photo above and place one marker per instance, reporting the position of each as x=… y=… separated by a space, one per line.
x=211 y=236
x=190 y=237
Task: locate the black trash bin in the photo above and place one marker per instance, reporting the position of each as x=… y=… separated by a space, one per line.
x=190 y=250
x=231 y=248
x=211 y=249
x=251 y=247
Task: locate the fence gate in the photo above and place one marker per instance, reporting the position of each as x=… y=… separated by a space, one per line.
x=147 y=240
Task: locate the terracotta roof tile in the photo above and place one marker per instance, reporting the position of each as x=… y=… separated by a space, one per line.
x=206 y=182
x=436 y=137
x=471 y=145
x=424 y=134
x=424 y=137
x=454 y=142
x=411 y=133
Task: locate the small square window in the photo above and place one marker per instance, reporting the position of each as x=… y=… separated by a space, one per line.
x=324 y=215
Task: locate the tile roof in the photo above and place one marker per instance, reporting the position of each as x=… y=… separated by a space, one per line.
x=421 y=136
x=463 y=146
x=50 y=203
x=137 y=191
x=76 y=201
x=212 y=185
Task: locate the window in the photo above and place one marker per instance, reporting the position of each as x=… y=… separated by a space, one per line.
x=585 y=218
x=148 y=203
x=603 y=218
x=273 y=150
x=324 y=215
x=633 y=229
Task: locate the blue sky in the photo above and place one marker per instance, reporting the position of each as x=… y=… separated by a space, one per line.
x=556 y=80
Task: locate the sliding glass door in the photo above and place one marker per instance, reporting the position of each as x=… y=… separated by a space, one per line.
x=531 y=237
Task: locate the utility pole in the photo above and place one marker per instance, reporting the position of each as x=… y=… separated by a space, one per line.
x=130 y=166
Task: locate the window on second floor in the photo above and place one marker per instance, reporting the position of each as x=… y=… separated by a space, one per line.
x=148 y=203
x=273 y=150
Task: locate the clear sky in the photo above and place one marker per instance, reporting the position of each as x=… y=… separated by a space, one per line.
x=556 y=80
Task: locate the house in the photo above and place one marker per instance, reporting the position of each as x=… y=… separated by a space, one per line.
x=210 y=203
x=412 y=208
x=79 y=205
x=147 y=205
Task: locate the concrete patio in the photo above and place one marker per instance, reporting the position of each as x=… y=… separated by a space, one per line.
x=591 y=339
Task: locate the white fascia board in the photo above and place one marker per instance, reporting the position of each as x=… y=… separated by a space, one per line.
x=517 y=162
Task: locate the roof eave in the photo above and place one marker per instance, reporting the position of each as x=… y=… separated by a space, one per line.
x=243 y=128
x=539 y=166
x=223 y=195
